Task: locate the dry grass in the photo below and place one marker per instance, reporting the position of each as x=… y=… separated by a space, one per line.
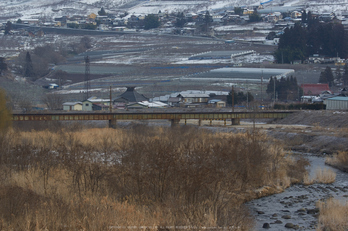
x=339 y=160
x=333 y=215
x=97 y=178
x=322 y=176
x=325 y=176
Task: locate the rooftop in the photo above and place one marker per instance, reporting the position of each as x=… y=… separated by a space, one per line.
x=243 y=74
x=339 y=98
x=314 y=89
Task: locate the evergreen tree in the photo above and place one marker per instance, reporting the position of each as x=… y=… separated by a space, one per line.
x=326 y=76
x=8 y=27
x=304 y=16
x=254 y=17
x=28 y=70
x=239 y=97
x=180 y=20
x=102 y=12
x=238 y=11
x=325 y=39
x=207 y=21
x=151 y=21
x=286 y=88
x=292 y=45
x=3 y=65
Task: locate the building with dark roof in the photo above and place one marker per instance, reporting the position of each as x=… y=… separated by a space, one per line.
x=130 y=96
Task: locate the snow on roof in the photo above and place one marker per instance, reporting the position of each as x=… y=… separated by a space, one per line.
x=71 y=103
x=153 y=104
x=194 y=95
x=215 y=101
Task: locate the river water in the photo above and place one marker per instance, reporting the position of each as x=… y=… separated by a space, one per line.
x=296 y=204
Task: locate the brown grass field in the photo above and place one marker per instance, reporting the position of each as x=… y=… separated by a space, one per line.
x=98 y=179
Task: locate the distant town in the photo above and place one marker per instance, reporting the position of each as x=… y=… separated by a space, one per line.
x=251 y=42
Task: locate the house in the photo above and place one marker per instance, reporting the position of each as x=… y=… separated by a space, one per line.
x=326 y=17
x=344 y=92
x=100 y=107
x=92 y=16
x=154 y=104
x=174 y=101
x=130 y=96
x=30 y=21
x=96 y=100
x=217 y=18
x=136 y=106
x=193 y=98
x=51 y=86
x=87 y=105
x=316 y=58
x=217 y=103
x=336 y=103
x=296 y=14
x=273 y=17
x=314 y=89
x=248 y=12
x=72 y=106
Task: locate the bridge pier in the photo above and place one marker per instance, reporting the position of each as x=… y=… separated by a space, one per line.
x=112 y=123
x=174 y=122
x=235 y=121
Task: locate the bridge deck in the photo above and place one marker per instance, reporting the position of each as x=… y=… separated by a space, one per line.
x=151 y=116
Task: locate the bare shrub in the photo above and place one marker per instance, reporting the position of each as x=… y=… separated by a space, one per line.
x=333 y=215
x=297 y=169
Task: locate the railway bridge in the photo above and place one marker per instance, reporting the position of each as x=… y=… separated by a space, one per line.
x=174 y=117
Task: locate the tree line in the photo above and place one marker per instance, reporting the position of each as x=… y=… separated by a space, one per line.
x=327 y=76
x=284 y=89
x=312 y=37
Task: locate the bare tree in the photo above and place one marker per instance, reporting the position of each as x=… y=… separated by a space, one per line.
x=53 y=101
x=25 y=105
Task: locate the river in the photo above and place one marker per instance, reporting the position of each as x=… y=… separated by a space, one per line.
x=296 y=205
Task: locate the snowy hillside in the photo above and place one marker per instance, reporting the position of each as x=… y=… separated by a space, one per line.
x=14 y=9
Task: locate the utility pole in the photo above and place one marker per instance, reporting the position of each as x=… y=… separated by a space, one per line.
x=232 y=94
x=274 y=96
x=247 y=99
x=110 y=105
x=87 y=72
x=261 y=87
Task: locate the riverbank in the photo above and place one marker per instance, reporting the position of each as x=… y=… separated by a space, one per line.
x=296 y=207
